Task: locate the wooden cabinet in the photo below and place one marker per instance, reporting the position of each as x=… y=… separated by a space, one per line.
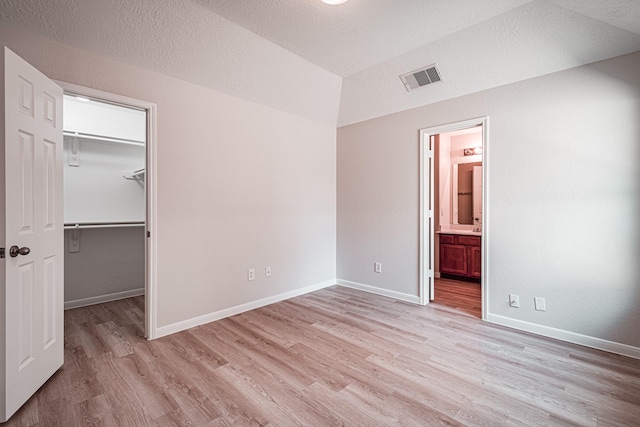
x=460 y=255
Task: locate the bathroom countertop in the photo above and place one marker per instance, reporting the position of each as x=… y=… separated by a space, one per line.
x=460 y=232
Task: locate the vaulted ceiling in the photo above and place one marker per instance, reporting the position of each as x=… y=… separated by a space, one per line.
x=367 y=43
x=358 y=34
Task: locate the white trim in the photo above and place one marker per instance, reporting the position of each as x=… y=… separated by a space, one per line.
x=151 y=181
x=425 y=135
x=572 y=337
x=426 y=234
x=232 y=311
x=103 y=298
x=379 y=291
x=151 y=184
x=484 y=254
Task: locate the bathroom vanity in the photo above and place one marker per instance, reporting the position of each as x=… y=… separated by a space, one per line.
x=460 y=254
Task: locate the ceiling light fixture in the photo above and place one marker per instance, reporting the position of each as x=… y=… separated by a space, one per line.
x=334 y=2
x=472 y=151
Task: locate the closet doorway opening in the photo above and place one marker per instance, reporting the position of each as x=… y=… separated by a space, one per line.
x=109 y=210
x=453 y=237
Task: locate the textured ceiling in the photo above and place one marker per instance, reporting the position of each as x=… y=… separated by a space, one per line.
x=289 y=54
x=358 y=34
x=182 y=39
x=533 y=40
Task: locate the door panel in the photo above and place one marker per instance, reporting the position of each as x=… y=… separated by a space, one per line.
x=453 y=259
x=26 y=310
x=32 y=283
x=25 y=181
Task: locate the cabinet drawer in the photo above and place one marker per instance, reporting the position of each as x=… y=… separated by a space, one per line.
x=447 y=238
x=469 y=240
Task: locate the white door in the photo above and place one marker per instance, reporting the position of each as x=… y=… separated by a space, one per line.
x=31 y=228
x=477 y=195
x=429 y=220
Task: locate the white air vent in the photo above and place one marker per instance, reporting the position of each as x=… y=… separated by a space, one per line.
x=422 y=77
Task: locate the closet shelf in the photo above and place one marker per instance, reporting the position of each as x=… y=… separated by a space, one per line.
x=102 y=138
x=79 y=225
x=137 y=175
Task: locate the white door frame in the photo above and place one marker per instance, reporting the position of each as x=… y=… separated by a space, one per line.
x=150 y=288
x=427 y=233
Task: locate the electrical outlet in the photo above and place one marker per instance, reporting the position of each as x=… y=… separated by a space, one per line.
x=251 y=274
x=540 y=304
x=514 y=300
x=267 y=271
x=377 y=267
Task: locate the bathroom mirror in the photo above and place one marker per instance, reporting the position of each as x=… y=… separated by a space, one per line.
x=466 y=193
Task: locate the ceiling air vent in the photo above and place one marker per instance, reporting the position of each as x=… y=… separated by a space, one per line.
x=422 y=77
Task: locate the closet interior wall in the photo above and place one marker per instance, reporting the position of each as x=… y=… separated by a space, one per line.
x=104 y=202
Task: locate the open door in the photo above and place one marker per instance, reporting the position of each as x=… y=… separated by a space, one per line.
x=427 y=146
x=31 y=233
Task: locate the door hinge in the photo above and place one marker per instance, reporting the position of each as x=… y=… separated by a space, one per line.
x=1 y=252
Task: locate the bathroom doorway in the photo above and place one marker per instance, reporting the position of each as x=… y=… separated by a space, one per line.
x=453 y=216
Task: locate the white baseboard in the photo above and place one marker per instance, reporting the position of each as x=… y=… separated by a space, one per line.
x=572 y=337
x=232 y=311
x=102 y=298
x=380 y=291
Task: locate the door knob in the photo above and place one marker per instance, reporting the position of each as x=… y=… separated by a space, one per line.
x=14 y=251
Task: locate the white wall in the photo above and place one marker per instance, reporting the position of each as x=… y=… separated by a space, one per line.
x=109 y=265
x=445 y=182
x=239 y=185
x=99 y=118
x=563 y=200
x=96 y=191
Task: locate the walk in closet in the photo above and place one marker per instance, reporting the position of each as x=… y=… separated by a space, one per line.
x=104 y=201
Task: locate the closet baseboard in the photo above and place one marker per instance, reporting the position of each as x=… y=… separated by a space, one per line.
x=102 y=298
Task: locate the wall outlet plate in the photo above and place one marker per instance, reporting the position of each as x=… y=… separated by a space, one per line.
x=251 y=274
x=377 y=267
x=267 y=271
x=540 y=304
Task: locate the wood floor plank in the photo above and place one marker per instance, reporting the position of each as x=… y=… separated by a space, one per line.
x=333 y=357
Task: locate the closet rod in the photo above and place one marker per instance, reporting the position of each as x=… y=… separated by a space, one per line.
x=103 y=138
x=73 y=226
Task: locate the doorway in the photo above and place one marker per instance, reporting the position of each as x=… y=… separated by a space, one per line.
x=109 y=141
x=453 y=238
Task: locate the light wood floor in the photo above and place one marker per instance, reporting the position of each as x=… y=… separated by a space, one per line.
x=332 y=357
